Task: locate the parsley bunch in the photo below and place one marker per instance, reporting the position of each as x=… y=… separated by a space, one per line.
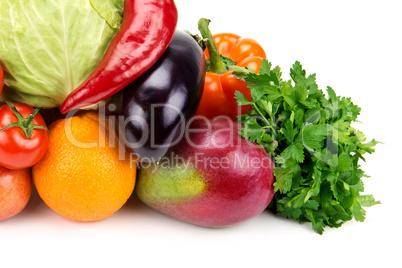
x=315 y=148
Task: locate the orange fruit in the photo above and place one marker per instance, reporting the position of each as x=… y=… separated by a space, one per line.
x=85 y=175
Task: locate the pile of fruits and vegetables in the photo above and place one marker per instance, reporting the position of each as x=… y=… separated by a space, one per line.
x=102 y=100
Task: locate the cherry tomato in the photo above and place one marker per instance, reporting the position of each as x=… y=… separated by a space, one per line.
x=23 y=136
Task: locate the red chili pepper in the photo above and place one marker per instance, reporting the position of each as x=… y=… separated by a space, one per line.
x=146 y=31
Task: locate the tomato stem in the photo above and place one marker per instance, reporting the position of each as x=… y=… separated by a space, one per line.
x=24 y=123
x=31 y=117
x=216 y=64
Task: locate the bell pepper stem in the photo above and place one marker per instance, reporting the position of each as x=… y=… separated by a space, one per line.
x=216 y=64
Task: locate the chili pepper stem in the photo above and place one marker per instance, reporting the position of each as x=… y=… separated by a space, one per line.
x=216 y=64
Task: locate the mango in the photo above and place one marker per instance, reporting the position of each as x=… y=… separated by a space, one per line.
x=212 y=177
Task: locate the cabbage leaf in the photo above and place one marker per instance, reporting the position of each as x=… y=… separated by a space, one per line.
x=49 y=47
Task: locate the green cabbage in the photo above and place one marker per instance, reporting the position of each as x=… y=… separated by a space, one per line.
x=49 y=47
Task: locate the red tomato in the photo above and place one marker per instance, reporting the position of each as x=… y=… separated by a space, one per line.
x=19 y=149
x=1 y=79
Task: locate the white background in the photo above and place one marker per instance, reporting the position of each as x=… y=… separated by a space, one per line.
x=354 y=47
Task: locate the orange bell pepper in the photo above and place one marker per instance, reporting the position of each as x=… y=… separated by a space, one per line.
x=223 y=51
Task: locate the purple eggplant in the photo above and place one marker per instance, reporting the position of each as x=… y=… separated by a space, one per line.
x=157 y=106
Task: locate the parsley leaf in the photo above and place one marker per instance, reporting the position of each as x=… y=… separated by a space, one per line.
x=318 y=178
